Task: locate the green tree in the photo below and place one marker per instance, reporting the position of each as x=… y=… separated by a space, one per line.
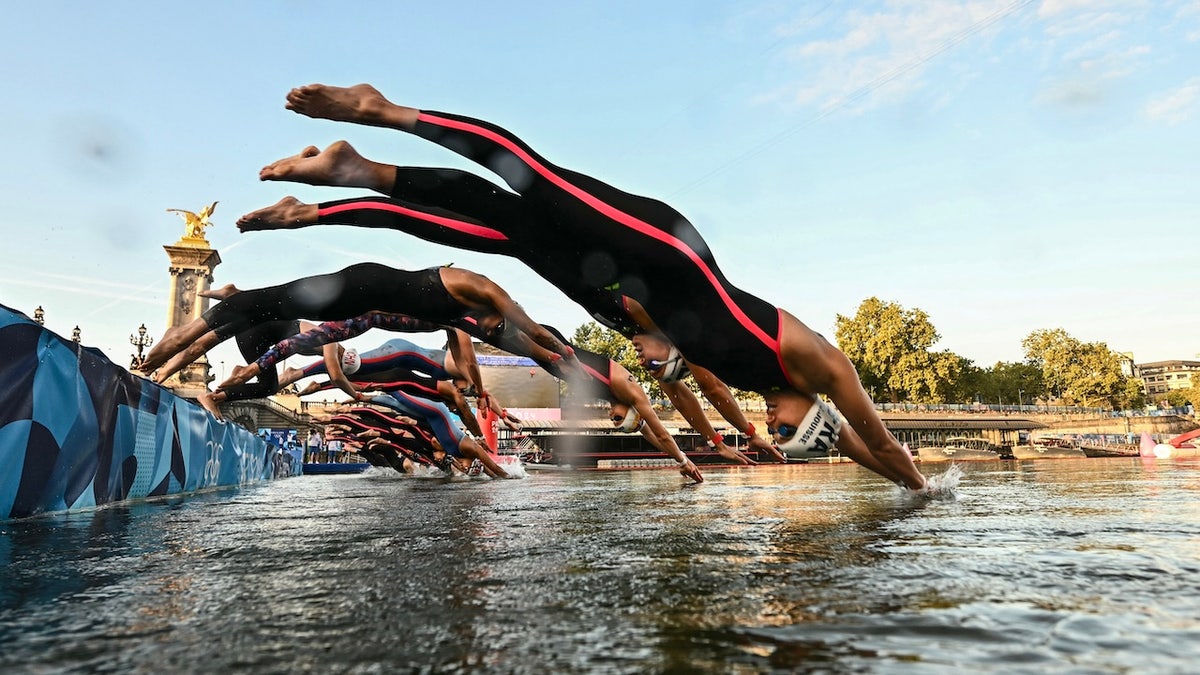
x=1013 y=381
x=972 y=382
x=1080 y=373
x=1177 y=398
x=890 y=347
x=1133 y=397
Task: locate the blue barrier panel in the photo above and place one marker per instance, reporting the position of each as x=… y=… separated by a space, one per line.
x=77 y=431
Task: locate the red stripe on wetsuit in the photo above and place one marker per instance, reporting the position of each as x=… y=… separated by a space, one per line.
x=613 y=214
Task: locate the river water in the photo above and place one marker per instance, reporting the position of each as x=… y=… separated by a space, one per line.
x=1046 y=566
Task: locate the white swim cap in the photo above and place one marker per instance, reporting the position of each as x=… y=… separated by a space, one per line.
x=350 y=361
x=673 y=369
x=632 y=422
x=818 y=432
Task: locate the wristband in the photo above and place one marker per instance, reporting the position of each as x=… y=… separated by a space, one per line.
x=750 y=430
x=683 y=461
x=716 y=440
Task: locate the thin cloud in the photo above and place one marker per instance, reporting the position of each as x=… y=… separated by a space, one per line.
x=132 y=294
x=881 y=56
x=1175 y=106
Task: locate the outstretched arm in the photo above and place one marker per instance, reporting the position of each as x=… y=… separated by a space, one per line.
x=476 y=290
x=459 y=403
x=470 y=448
x=719 y=395
x=465 y=360
x=688 y=405
x=333 y=365
x=627 y=390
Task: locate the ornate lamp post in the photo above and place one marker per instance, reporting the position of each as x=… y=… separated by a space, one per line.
x=39 y=316
x=141 y=342
x=76 y=334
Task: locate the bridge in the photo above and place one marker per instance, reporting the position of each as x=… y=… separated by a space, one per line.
x=262 y=413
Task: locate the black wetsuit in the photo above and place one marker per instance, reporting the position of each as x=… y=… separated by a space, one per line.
x=251 y=343
x=591 y=240
x=355 y=290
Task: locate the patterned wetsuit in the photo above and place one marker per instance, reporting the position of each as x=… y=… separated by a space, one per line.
x=585 y=237
x=350 y=292
x=311 y=341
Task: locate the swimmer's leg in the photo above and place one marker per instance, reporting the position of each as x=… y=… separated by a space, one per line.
x=360 y=104
x=221 y=293
x=813 y=365
x=171 y=342
x=288 y=213
x=477 y=140
x=195 y=350
x=209 y=400
x=338 y=165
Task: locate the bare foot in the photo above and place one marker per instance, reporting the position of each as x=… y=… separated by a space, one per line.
x=361 y=104
x=288 y=213
x=240 y=375
x=312 y=388
x=338 y=165
x=220 y=293
x=208 y=403
x=290 y=375
x=160 y=352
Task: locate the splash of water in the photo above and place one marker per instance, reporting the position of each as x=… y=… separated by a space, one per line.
x=940 y=487
x=944 y=486
x=512 y=466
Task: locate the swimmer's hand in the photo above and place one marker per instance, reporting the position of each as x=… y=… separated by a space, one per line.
x=688 y=470
x=764 y=446
x=733 y=454
x=510 y=420
x=943 y=486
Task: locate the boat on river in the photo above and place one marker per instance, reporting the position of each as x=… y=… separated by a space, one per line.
x=959 y=449
x=1049 y=448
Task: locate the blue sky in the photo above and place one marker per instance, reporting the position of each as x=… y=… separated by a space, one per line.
x=1003 y=166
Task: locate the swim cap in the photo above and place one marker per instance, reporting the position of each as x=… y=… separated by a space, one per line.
x=632 y=422
x=673 y=369
x=350 y=361
x=818 y=432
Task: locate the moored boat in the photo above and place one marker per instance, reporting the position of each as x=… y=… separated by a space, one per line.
x=959 y=449
x=1049 y=448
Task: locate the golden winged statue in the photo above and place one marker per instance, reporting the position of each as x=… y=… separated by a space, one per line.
x=195 y=222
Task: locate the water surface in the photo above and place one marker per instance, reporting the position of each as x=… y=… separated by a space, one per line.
x=1044 y=566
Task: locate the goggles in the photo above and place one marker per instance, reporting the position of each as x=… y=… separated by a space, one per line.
x=673 y=367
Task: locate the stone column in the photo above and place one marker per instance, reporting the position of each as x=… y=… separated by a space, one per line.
x=192 y=263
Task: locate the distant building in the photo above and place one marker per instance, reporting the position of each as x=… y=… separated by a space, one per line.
x=1161 y=377
x=1128 y=368
x=516 y=381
